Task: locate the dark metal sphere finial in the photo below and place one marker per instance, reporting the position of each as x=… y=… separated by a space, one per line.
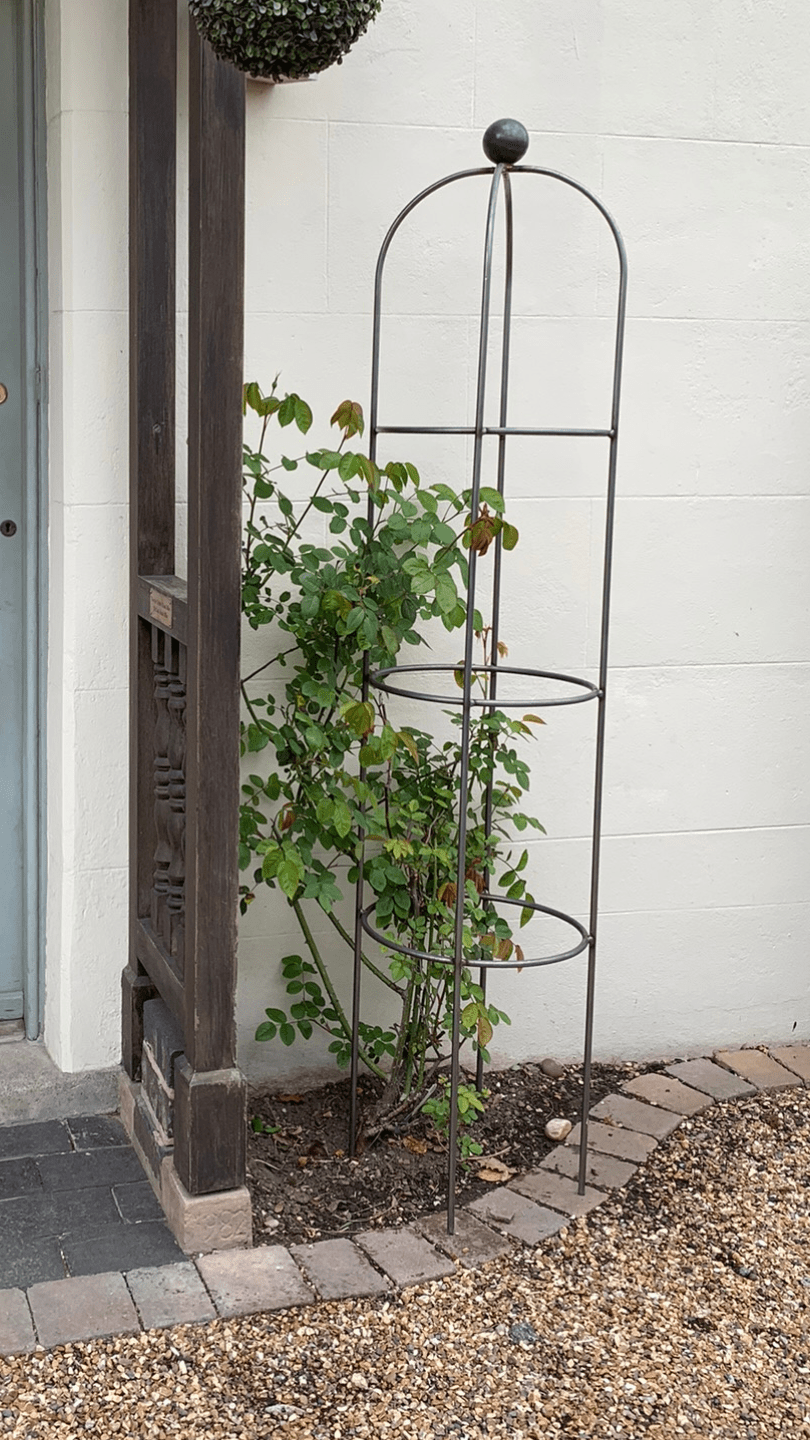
x=506 y=142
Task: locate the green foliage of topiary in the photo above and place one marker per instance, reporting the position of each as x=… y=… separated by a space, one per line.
x=283 y=39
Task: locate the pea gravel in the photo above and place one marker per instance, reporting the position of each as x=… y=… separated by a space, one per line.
x=679 y=1307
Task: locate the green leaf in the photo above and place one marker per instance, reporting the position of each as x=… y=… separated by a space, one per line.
x=488 y=496
x=287 y=1034
x=469 y=1015
x=266 y=1031
x=343 y=819
x=286 y=410
x=303 y=415
x=509 y=536
x=289 y=464
x=321 y=503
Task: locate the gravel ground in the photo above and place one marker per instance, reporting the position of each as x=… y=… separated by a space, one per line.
x=680 y=1307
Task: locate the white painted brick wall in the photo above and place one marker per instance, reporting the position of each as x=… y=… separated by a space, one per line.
x=692 y=123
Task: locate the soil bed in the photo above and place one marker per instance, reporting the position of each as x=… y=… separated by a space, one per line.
x=304 y=1187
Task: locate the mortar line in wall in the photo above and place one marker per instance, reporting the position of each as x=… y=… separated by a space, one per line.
x=538 y=135
x=708 y=909
x=662 y=834
x=337 y=314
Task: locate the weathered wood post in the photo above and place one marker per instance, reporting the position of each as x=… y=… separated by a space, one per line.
x=184 y=741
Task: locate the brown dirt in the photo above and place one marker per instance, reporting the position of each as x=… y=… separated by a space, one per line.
x=304 y=1187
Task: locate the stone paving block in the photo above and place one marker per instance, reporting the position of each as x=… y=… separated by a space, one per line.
x=635 y=1115
x=96 y=1132
x=473 y=1242
x=18 y=1177
x=406 y=1257
x=612 y=1140
x=46 y=1137
x=242 y=1282
x=703 y=1074
x=795 y=1058
x=113 y=1165
x=668 y=1093
x=54 y=1212
x=122 y=1247
x=558 y=1192
x=170 y=1295
x=338 y=1270
x=83 y=1308
x=221 y=1221
x=759 y=1068
x=604 y=1171
x=16 y=1326
x=137 y=1201
x=23 y=1263
x=517 y=1216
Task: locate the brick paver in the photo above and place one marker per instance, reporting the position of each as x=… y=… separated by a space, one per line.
x=241 y=1282
x=612 y=1140
x=473 y=1242
x=558 y=1192
x=82 y=1308
x=122 y=1247
x=405 y=1256
x=635 y=1115
x=170 y=1295
x=40 y=1137
x=795 y=1058
x=759 y=1068
x=604 y=1171
x=16 y=1326
x=517 y=1216
x=668 y=1093
x=712 y=1079
x=338 y=1270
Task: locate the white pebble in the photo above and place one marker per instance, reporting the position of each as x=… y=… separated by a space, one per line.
x=558 y=1129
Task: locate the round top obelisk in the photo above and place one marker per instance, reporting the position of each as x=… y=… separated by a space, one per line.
x=506 y=142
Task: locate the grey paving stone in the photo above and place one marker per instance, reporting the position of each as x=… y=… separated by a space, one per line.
x=558 y=1192
x=670 y=1094
x=759 y=1068
x=84 y=1308
x=517 y=1216
x=95 y=1132
x=170 y=1295
x=712 y=1079
x=603 y=1171
x=338 y=1270
x=47 y=1137
x=473 y=1243
x=57 y=1212
x=612 y=1140
x=18 y=1177
x=137 y=1201
x=84 y=1168
x=16 y=1326
x=407 y=1257
x=33 y=1260
x=123 y=1247
x=635 y=1115
x=242 y=1282
x=795 y=1058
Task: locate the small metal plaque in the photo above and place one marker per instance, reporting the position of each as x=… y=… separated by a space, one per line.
x=3 y=394
x=160 y=608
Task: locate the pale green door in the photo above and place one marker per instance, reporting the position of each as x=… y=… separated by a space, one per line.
x=12 y=528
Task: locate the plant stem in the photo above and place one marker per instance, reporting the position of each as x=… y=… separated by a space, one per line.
x=369 y=964
x=309 y=940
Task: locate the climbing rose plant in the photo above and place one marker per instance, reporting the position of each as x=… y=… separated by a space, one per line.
x=387 y=572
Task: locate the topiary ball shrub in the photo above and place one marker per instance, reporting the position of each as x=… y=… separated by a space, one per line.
x=283 y=39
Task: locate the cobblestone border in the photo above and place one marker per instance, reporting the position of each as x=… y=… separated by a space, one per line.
x=625 y=1129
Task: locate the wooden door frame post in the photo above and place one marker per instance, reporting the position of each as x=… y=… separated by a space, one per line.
x=184 y=743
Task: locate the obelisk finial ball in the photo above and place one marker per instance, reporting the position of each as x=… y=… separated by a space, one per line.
x=506 y=142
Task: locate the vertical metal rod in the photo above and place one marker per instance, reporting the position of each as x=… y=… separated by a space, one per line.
x=466 y=711
x=600 y=728
x=496 y=575
x=361 y=837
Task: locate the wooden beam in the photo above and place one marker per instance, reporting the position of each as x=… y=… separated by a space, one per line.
x=210 y=1091
x=152 y=186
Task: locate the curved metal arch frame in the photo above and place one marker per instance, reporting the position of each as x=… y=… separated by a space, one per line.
x=501 y=179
